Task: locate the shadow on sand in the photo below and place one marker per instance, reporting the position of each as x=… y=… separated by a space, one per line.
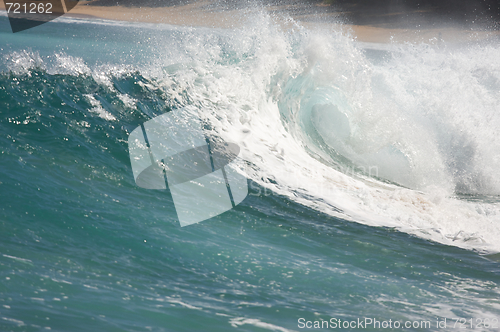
x=377 y=13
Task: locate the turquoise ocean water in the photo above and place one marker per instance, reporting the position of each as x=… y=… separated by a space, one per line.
x=372 y=171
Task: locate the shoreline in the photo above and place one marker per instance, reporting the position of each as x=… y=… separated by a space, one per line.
x=200 y=14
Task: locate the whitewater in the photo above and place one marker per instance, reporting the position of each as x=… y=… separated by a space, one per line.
x=396 y=135
x=372 y=173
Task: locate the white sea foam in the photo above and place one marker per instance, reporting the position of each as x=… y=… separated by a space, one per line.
x=433 y=111
x=239 y=321
x=98 y=109
x=424 y=118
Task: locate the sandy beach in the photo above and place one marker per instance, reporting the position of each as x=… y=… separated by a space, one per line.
x=376 y=28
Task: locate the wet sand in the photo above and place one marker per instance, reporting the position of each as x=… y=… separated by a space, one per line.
x=380 y=28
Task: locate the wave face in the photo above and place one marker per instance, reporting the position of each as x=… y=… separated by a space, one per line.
x=336 y=135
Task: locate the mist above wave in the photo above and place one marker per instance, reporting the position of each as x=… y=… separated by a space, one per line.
x=314 y=112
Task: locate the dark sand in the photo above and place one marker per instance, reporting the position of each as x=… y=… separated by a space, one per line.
x=382 y=21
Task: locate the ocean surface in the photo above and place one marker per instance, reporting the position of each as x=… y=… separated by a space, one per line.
x=372 y=170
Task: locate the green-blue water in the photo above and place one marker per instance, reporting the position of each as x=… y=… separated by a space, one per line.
x=82 y=248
